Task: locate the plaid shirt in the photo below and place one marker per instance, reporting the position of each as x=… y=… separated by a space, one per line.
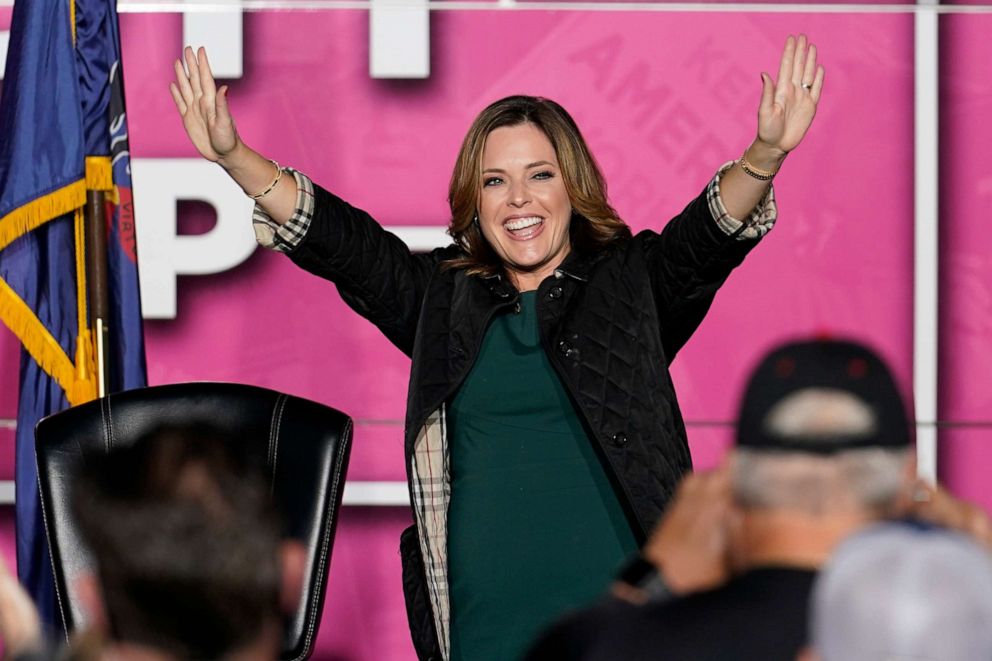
x=430 y=463
x=283 y=238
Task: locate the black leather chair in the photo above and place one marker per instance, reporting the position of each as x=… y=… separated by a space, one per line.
x=305 y=446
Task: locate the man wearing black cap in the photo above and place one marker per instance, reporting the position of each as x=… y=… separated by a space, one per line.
x=823 y=448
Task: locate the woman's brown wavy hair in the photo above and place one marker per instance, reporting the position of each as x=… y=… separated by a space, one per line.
x=594 y=225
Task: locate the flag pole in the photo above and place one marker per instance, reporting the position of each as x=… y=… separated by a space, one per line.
x=96 y=282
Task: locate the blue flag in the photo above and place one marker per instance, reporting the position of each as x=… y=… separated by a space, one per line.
x=62 y=133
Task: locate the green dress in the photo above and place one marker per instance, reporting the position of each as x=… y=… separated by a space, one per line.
x=534 y=526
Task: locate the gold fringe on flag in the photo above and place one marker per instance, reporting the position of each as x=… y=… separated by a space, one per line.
x=75 y=378
x=41 y=345
x=37 y=212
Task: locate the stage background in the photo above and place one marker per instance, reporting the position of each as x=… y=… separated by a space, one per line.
x=663 y=98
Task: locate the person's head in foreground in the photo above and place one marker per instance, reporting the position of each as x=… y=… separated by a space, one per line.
x=902 y=592
x=823 y=444
x=188 y=551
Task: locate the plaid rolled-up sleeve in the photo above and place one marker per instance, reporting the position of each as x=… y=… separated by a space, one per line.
x=285 y=237
x=759 y=223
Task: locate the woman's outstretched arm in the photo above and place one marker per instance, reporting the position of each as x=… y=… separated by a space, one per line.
x=210 y=127
x=784 y=115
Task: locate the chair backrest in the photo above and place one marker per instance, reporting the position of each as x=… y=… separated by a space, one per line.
x=305 y=446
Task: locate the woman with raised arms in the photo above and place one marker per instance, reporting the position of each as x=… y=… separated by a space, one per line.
x=543 y=436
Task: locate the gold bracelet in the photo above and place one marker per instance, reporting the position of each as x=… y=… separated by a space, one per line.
x=750 y=170
x=259 y=196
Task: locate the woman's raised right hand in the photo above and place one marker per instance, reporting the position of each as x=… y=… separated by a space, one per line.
x=203 y=107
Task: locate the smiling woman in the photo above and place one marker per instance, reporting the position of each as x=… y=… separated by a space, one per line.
x=515 y=145
x=524 y=210
x=543 y=435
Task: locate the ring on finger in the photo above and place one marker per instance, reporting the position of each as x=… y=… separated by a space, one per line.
x=807 y=86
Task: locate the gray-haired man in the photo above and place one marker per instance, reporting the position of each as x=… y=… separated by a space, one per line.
x=823 y=449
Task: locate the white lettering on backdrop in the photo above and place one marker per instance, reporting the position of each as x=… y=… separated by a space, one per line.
x=164 y=254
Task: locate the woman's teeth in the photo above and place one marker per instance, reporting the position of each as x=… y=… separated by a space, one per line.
x=521 y=223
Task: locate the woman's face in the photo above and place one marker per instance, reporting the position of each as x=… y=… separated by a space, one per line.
x=524 y=210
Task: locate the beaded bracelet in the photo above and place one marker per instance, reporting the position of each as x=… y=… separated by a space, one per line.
x=750 y=170
x=259 y=196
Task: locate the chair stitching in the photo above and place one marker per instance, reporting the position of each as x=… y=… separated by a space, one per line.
x=108 y=424
x=325 y=540
x=274 y=427
x=51 y=558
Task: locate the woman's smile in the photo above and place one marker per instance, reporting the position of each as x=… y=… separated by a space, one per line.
x=523 y=228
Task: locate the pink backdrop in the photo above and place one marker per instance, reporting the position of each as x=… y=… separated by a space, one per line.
x=664 y=99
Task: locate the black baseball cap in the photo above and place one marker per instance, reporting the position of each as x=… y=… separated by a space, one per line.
x=825 y=367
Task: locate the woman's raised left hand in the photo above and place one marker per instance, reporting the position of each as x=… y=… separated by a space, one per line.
x=789 y=103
